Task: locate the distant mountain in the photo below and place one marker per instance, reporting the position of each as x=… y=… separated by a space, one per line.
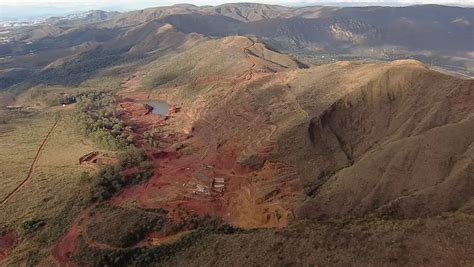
x=430 y=33
x=416 y=28
x=431 y=27
x=83 y=17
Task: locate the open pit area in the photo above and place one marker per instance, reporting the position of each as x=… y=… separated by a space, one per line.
x=236 y=153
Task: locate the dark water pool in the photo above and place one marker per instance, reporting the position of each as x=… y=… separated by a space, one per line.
x=159 y=107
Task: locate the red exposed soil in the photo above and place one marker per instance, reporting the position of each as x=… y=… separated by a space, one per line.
x=171 y=188
x=7 y=243
x=189 y=156
x=178 y=176
x=137 y=115
x=182 y=182
x=67 y=244
x=66 y=247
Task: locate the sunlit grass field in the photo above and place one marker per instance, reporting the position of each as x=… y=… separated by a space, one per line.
x=55 y=193
x=19 y=144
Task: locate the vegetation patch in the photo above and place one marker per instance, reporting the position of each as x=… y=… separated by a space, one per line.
x=254 y=162
x=149 y=137
x=157 y=81
x=121 y=227
x=8 y=116
x=111 y=179
x=97 y=118
x=30 y=226
x=148 y=256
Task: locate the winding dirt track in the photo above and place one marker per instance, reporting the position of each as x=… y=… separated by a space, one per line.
x=33 y=164
x=248 y=74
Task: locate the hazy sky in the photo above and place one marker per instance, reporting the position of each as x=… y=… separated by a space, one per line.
x=130 y=4
x=38 y=9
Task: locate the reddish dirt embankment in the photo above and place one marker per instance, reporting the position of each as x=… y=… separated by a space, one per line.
x=7 y=243
x=66 y=247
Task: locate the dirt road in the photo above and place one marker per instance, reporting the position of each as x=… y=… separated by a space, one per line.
x=33 y=164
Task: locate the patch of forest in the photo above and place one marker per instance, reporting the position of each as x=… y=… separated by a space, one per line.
x=98 y=119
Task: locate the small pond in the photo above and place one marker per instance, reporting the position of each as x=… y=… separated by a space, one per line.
x=159 y=107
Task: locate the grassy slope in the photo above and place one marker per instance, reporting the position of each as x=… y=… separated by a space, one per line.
x=19 y=146
x=55 y=192
x=444 y=240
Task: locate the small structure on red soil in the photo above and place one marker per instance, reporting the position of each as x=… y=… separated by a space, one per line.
x=202 y=189
x=89 y=157
x=198 y=188
x=96 y=157
x=218 y=184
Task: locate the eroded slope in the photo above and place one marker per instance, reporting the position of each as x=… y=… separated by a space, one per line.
x=341 y=139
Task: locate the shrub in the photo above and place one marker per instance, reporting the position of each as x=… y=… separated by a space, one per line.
x=84 y=177
x=30 y=226
x=153 y=256
x=133 y=227
x=150 y=139
x=254 y=162
x=110 y=180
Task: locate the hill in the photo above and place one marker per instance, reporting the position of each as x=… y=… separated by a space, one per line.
x=345 y=153
x=183 y=135
x=435 y=35
x=324 y=130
